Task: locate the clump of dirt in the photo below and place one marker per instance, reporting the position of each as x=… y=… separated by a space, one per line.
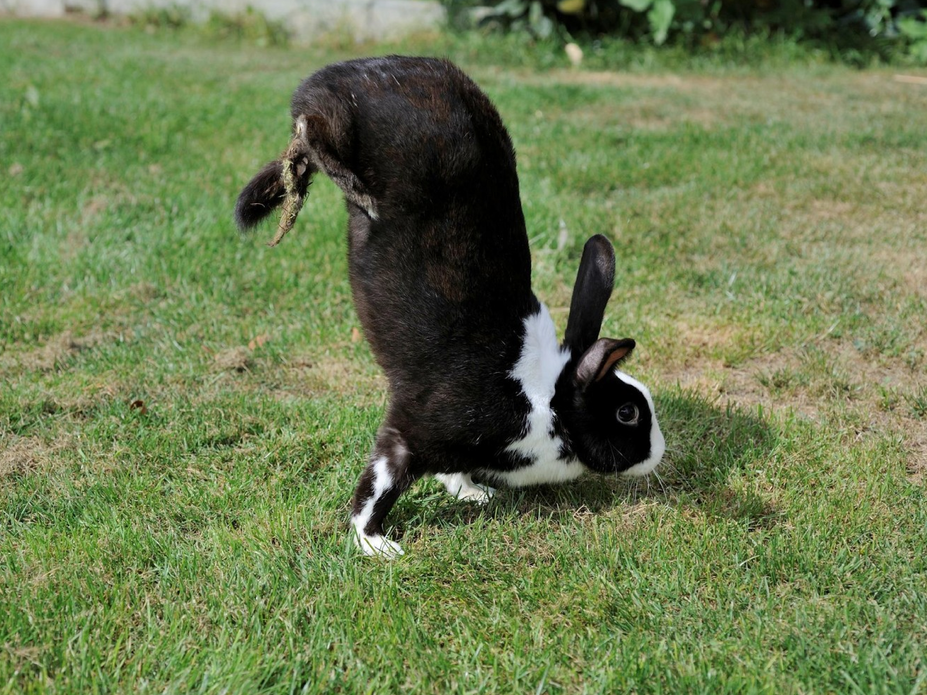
x=236 y=359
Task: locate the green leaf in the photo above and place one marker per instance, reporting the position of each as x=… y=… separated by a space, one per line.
x=544 y=27
x=912 y=28
x=535 y=12
x=660 y=18
x=541 y=26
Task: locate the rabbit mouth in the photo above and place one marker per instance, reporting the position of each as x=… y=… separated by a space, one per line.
x=657 y=449
x=657 y=441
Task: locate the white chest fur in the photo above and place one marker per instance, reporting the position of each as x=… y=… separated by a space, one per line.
x=537 y=371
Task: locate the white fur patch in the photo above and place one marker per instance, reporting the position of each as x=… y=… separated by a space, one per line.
x=657 y=442
x=537 y=370
x=379 y=546
x=461 y=486
x=375 y=545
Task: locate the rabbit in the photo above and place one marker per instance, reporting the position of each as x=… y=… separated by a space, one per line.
x=480 y=390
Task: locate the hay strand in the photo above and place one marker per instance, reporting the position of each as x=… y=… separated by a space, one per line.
x=294 y=168
x=292 y=203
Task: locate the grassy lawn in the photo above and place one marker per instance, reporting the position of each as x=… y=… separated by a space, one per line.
x=184 y=411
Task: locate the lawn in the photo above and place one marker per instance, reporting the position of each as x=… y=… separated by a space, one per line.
x=184 y=411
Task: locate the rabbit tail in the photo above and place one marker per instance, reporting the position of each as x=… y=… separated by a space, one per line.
x=283 y=181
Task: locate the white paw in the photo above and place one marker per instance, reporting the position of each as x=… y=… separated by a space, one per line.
x=377 y=546
x=481 y=494
x=461 y=486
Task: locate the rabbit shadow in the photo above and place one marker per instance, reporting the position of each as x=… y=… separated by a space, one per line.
x=706 y=444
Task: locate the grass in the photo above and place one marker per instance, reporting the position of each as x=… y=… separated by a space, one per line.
x=184 y=412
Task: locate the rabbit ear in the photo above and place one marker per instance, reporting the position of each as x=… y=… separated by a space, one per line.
x=593 y=287
x=604 y=354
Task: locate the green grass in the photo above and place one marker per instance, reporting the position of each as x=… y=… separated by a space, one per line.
x=174 y=501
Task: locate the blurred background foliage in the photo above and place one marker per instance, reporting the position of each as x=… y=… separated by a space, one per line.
x=857 y=31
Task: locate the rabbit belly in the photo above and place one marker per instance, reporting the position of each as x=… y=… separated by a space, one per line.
x=543 y=449
x=537 y=370
x=540 y=472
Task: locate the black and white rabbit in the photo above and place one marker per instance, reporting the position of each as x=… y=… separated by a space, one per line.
x=441 y=277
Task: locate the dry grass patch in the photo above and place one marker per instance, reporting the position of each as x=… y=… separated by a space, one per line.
x=21 y=454
x=874 y=394
x=732 y=99
x=603 y=78
x=24 y=455
x=362 y=380
x=92 y=209
x=57 y=352
x=907 y=267
x=649 y=113
x=236 y=359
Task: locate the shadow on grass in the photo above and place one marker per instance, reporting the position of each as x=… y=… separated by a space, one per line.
x=706 y=445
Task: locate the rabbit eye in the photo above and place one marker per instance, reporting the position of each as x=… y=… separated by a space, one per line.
x=628 y=414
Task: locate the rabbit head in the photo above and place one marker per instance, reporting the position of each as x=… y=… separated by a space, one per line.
x=607 y=416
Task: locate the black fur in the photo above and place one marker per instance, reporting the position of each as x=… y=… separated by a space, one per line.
x=440 y=270
x=261 y=196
